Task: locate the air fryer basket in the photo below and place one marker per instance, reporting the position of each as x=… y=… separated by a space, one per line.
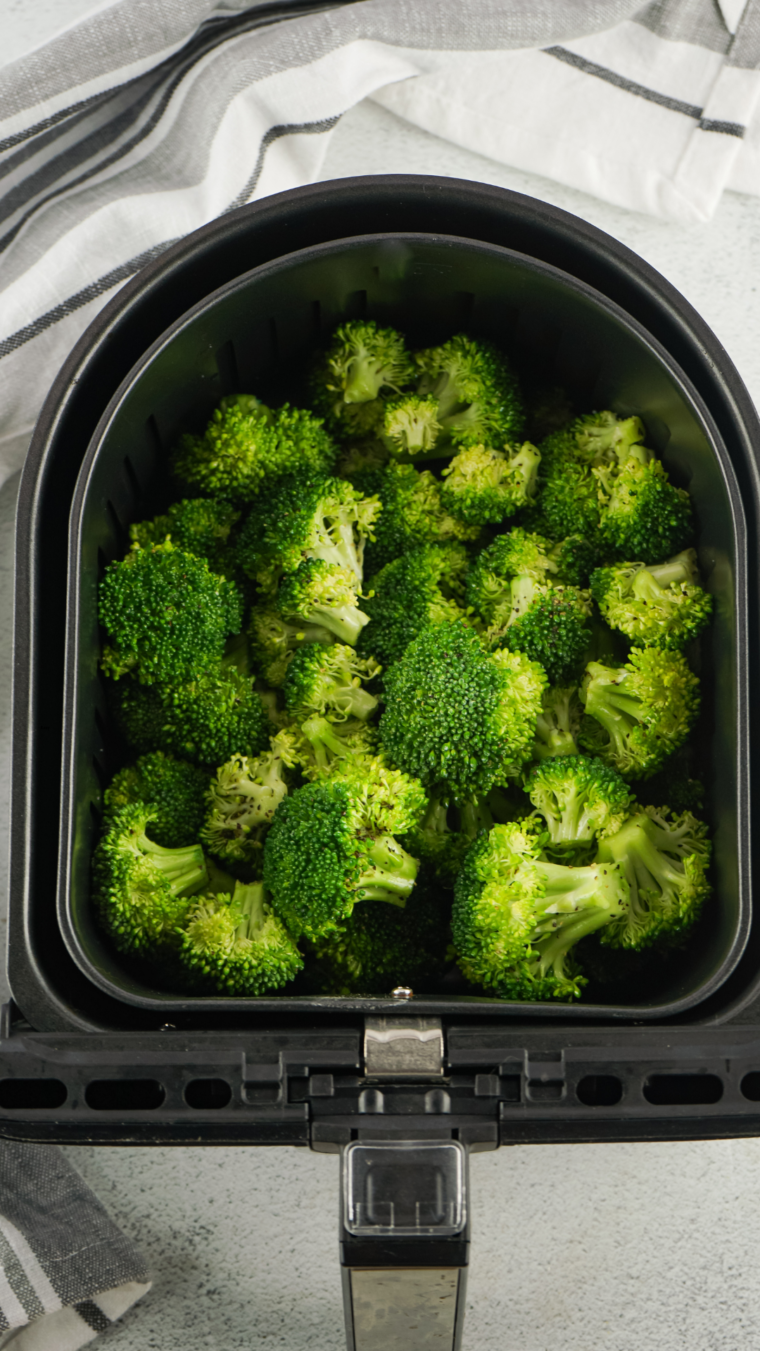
x=256 y=334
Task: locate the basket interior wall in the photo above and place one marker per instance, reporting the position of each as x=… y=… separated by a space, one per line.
x=257 y=335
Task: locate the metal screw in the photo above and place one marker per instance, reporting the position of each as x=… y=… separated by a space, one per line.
x=402 y=992
x=168 y=1027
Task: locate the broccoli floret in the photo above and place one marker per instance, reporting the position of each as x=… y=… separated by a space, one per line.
x=457 y=717
x=381 y=947
x=573 y=559
x=363 y=360
x=273 y=642
x=243 y=798
x=234 y=945
x=639 y=713
x=477 y=393
x=665 y=861
x=167 y=615
x=558 y=722
x=437 y=841
x=641 y=514
x=658 y=606
x=198 y=525
x=516 y=916
x=141 y=889
x=580 y=799
x=362 y=457
x=412 y=514
x=175 y=789
x=322 y=594
x=324 y=748
x=553 y=628
x=484 y=485
x=328 y=681
x=246 y=445
x=410 y=425
x=332 y=844
x=517 y=554
x=568 y=499
x=305 y=516
x=409 y=596
x=206 y=720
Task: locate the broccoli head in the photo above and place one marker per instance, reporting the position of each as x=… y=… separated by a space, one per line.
x=638 y=713
x=641 y=514
x=380 y=946
x=198 y=525
x=206 y=720
x=175 y=789
x=516 y=917
x=569 y=499
x=166 y=613
x=410 y=425
x=580 y=800
x=242 y=800
x=485 y=486
x=665 y=860
x=517 y=554
x=363 y=361
x=324 y=747
x=410 y=595
x=476 y=391
x=246 y=445
x=305 y=516
x=322 y=594
x=328 y=681
x=412 y=514
x=332 y=844
x=458 y=718
x=140 y=889
x=234 y=945
x=552 y=630
x=658 y=606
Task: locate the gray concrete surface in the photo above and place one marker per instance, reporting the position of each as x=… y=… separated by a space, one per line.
x=618 y=1247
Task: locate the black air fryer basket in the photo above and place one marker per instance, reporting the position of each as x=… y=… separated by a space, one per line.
x=86 y=1051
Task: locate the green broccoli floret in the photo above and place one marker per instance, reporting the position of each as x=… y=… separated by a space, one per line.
x=198 y=525
x=519 y=554
x=457 y=717
x=362 y=457
x=167 y=615
x=328 y=681
x=641 y=514
x=324 y=748
x=243 y=798
x=305 y=516
x=333 y=843
x=175 y=789
x=363 y=365
x=658 y=606
x=552 y=630
x=234 y=945
x=380 y=946
x=410 y=595
x=141 y=889
x=410 y=424
x=477 y=392
x=412 y=514
x=639 y=713
x=273 y=641
x=438 y=841
x=580 y=799
x=573 y=559
x=246 y=445
x=206 y=720
x=665 y=861
x=322 y=594
x=568 y=499
x=558 y=722
x=482 y=485
x=516 y=917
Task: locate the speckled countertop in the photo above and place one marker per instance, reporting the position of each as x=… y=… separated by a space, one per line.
x=616 y=1247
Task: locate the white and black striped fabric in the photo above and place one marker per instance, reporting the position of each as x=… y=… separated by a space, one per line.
x=148 y=118
x=66 y=1272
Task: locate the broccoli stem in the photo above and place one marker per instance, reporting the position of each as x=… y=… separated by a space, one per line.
x=185 y=869
x=365 y=379
x=354 y=702
x=345 y=621
x=633 y=847
x=326 y=741
x=617 y=713
x=650 y=583
x=340 y=547
x=474 y=816
x=392 y=874
x=248 y=898
x=522 y=596
x=555 y=947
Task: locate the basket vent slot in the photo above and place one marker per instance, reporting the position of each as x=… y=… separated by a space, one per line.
x=226 y=364
x=356 y=305
x=153 y=435
x=599 y=1090
x=683 y=1090
x=28 y=1094
x=134 y=482
x=750 y=1086
x=124 y=1095
x=207 y=1095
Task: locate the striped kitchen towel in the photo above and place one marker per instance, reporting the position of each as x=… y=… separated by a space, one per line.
x=66 y=1272
x=148 y=118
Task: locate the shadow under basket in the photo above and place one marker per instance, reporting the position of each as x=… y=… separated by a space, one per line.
x=256 y=335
